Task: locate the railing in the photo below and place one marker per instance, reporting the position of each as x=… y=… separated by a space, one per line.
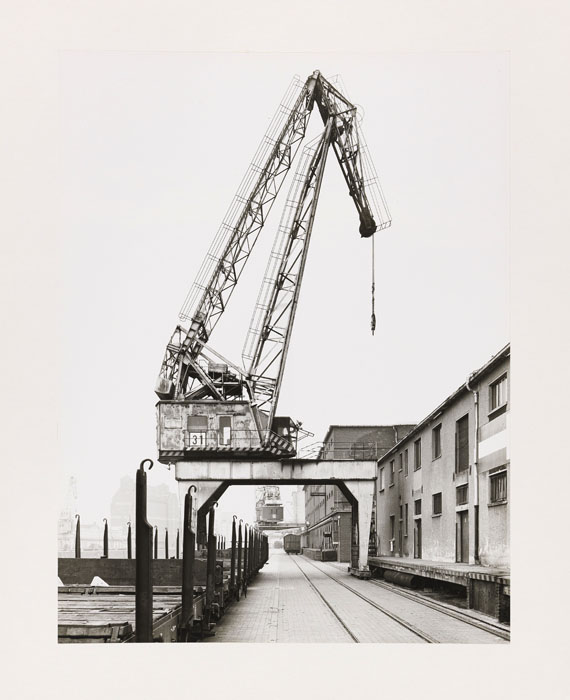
x=343 y=450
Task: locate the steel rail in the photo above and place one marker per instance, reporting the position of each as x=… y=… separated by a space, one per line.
x=388 y=613
x=426 y=637
x=489 y=627
x=458 y=615
x=329 y=606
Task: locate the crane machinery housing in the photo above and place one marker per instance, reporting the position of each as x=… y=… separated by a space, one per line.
x=209 y=407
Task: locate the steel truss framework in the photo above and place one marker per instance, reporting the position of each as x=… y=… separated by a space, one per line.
x=187 y=373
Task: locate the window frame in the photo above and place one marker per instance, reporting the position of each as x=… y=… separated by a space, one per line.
x=406 y=519
x=461 y=488
x=197 y=436
x=492 y=386
x=221 y=440
x=417 y=454
x=436 y=433
x=417 y=510
x=435 y=513
x=501 y=473
x=406 y=463
x=458 y=469
x=392 y=472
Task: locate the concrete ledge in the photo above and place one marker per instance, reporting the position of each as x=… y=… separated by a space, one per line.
x=488 y=590
x=281 y=471
x=443 y=571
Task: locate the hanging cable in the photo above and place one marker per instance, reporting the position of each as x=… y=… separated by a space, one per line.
x=373 y=317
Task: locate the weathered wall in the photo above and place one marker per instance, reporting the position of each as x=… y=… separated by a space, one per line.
x=438 y=475
x=173 y=423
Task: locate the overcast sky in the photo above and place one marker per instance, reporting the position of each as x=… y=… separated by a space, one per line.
x=154 y=146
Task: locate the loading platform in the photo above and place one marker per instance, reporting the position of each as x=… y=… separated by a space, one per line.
x=487 y=588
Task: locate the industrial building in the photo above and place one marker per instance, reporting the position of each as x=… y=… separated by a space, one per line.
x=328 y=514
x=443 y=490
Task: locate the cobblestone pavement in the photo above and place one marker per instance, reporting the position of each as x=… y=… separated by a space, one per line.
x=280 y=607
x=364 y=621
x=443 y=628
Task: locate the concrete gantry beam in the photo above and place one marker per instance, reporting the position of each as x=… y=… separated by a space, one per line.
x=214 y=477
x=288 y=471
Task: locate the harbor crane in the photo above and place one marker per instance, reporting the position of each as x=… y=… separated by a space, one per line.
x=209 y=407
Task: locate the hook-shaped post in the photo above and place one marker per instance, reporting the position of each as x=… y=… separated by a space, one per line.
x=78 y=537
x=239 y=554
x=233 y=559
x=129 y=541
x=188 y=545
x=143 y=534
x=105 y=540
x=210 y=561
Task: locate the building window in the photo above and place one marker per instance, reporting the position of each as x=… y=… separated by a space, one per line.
x=417 y=454
x=197 y=430
x=498 y=393
x=401 y=513
x=418 y=507
x=436 y=442
x=401 y=462
x=405 y=462
x=436 y=504
x=462 y=444
x=392 y=471
x=224 y=430
x=392 y=527
x=381 y=478
x=406 y=520
x=498 y=487
x=462 y=495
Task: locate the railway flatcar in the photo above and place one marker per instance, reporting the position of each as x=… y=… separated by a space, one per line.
x=292 y=544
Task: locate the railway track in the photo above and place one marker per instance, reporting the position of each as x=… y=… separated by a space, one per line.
x=412 y=628
x=457 y=614
x=496 y=631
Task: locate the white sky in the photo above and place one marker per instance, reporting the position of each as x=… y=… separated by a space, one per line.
x=154 y=146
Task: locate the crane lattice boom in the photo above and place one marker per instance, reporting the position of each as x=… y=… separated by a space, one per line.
x=191 y=370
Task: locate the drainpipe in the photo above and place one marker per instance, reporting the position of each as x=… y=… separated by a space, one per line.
x=475 y=467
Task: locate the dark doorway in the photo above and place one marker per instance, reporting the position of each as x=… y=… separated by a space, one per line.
x=462 y=537
x=418 y=538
